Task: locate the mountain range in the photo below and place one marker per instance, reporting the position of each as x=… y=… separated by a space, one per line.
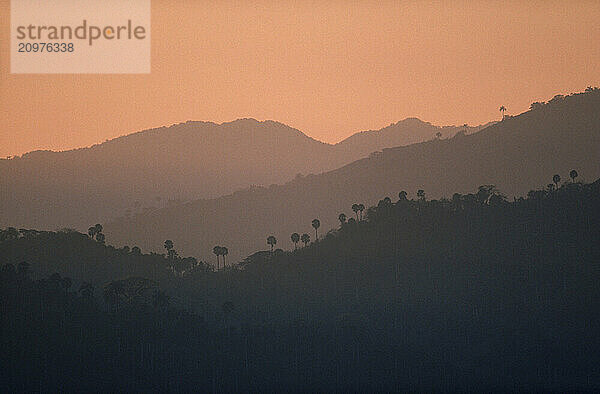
x=167 y=165
x=514 y=154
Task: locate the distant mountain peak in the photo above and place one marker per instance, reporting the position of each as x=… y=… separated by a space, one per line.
x=412 y=120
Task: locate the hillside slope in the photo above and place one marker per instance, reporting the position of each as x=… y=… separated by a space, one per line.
x=405 y=132
x=514 y=154
x=188 y=161
x=469 y=295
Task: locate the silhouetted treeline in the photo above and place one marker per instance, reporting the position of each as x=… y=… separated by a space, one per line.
x=469 y=293
x=87 y=258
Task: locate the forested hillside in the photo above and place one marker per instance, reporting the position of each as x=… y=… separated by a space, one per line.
x=516 y=154
x=472 y=293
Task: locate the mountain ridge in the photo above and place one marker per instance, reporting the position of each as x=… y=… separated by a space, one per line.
x=513 y=154
x=184 y=161
x=145 y=132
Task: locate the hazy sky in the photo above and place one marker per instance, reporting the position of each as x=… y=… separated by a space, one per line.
x=328 y=68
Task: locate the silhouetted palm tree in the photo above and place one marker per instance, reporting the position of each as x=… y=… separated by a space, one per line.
x=361 y=208
x=503 y=110
x=402 y=195
x=305 y=238
x=171 y=254
x=421 y=194
x=316 y=223
x=217 y=252
x=342 y=218
x=295 y=239
x=573 y=174
x=224 y=252
x=272 y=241
x=556 y=180
x=355 y=210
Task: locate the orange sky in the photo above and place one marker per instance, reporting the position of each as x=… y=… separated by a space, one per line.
x=328 y=68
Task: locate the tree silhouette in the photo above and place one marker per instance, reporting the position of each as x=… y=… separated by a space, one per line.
x=305 y=238
x=573 y=174
x=272 y=241
x=342 y=218
x=361 y=208
x=402 y=195
x=556 y=180
x=503 y=110
x=295 y=239
x=224 y=252
x=171 y=253
x=421 y=194
x=438 y=135
x=100 y=238
x=316 y=223
x=96 y=231
x=217 y=252
x=355 y=210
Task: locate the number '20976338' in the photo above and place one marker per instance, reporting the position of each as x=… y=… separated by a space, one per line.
x=46 y=47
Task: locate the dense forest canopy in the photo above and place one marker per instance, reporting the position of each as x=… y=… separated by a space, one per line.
x=475 y=292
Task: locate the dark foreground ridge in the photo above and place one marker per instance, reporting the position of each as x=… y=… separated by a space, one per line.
x=472 y=293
